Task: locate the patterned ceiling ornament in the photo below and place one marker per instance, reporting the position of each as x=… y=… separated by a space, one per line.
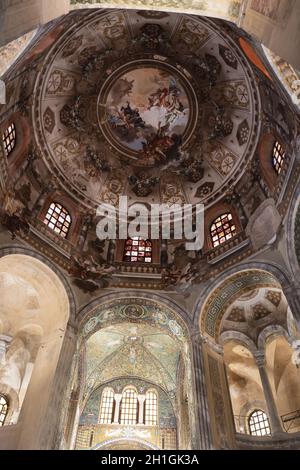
x=151 y=14
x=192 y=34
x=222 y=159
x=222 y=124
x=133 y=311
x=260 y=311
x=142 y=185
x=243 y=132
x=274 y=297
x=72 y=46
x=227 y=293
x=49 y=120
x=228 y=57
x=237 y=315
x=61 y=83
x=205 y=189
x=152 y=36
x=171 y=191
x=72 y=115
x=97 y=161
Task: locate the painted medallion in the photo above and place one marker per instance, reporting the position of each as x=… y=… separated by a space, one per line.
x=147 y=113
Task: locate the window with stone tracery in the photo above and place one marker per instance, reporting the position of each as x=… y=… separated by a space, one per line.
x=137 y=250
x=278 y=157
x=129 y=407
x=222 y=229
x=107 y=406
x=259 y=423
x=9 y=139
x=3 y=409
x=151 y=408
x=58 y=219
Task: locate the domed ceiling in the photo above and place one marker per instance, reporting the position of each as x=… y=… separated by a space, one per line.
x=160 y=107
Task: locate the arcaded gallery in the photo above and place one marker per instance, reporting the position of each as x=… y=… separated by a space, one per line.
x=144 y=340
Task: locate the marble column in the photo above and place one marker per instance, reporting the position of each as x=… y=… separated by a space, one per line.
x=274 y=418
x=201 y=439
x=51 y=433
x=118 y=398
x=141 y=399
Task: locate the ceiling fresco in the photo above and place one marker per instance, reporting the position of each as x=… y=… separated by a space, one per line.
x=168 y=103
x=146 y=108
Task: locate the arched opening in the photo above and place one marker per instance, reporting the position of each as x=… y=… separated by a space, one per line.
x=33 y=320
x=249 y=329
x=130 y=373
x=244 y=382
x=284 y=377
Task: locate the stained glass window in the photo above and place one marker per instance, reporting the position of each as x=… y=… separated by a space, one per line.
x=138 y=250
x=129 y=407
x=222 y=229
x=58 y=219
x=107 y=406
x=9 y=139
x=151 y=409
x=278 y=157
x=3 y=409
x=259 y=424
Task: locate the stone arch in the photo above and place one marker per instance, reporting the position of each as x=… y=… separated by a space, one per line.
x=275 y=276
x=20 y=250
x=239 y=338
x=126 y=444
x=112 y=311
x=271 y=331
x=36 y=302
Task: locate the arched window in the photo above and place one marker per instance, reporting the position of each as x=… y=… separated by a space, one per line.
x=151 y=408
x=9 y=139
x=278 y=157
x=3 y=409
x=107 y=406
x=222 y=229
x=129 y=407
x=58 y=219
x=137 y=250
x=259 y=423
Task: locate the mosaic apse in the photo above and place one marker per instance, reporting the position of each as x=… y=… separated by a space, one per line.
x=147 y=113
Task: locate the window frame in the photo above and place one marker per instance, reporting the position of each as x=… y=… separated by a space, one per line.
x=108 y=408
x=138 y=242
x=278 y=157
x=129 y=417
x=9 y=139
x=65 y=223
x=149 y=420
x=265 y=421
x=215 y=232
